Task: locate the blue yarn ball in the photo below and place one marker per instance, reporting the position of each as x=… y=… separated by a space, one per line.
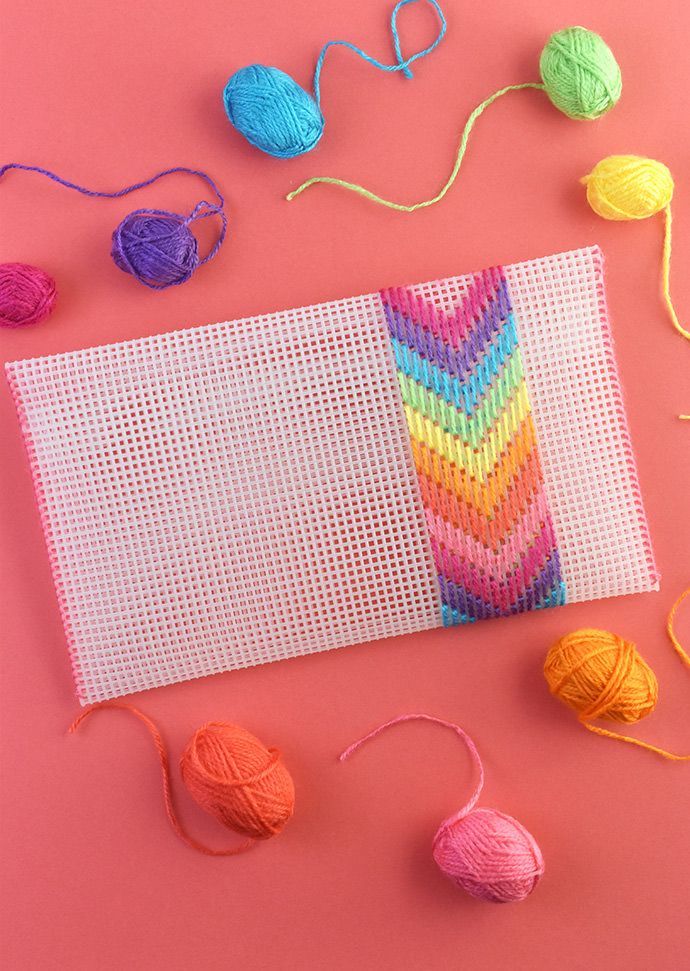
x=272 y=111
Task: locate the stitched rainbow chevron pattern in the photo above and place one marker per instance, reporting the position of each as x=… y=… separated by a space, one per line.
x=475 y=450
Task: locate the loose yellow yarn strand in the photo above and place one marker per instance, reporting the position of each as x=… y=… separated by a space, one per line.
x=669 y=626
x=666 y=269
x=630 y=187
x=367 y=194
x=686 y=660
x=666 y=276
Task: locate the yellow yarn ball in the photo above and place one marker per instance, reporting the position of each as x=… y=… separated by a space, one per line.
x=580 y=74
x=625 y=187
x=601 y=675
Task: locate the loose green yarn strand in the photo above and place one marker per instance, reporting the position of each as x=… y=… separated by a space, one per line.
x=379 y=200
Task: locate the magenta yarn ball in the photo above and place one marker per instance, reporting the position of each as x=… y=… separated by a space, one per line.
x=490 y=855
x=27 y=294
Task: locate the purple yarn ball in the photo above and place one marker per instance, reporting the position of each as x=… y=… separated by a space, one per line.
x=156 y=247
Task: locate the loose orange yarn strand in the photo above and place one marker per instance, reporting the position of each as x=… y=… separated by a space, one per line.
x=686 y=660
x=165 y=770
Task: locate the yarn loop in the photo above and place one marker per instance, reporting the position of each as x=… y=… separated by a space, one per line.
x=230 y=774
x=489 y=855
x=155 y=246
x=275 y=114
x=27 y=294
x=235 y=778
x=579 y=74
x=601 y=675
x=159 y=249
x=272 y=111
x=623 y=187
x=485 y=852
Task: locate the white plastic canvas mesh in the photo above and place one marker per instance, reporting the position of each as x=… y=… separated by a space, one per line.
x=577 y=405
x=243 y=492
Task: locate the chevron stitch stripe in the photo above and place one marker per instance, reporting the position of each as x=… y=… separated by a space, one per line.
x=474 y=445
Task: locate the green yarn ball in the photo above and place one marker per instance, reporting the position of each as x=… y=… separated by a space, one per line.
x=580 y=74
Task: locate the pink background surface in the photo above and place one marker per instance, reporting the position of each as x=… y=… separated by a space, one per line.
x=91 y=874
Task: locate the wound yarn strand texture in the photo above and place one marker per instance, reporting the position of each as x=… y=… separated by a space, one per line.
x=580 y=76
x=27 y=294
x=229 y=773
x=601 y=675
x=155 y=246
x=483 y=851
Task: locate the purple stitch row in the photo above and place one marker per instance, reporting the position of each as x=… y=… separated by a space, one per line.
x=433 y=347
x=453 y=328
x=456 y=597
x=458 y=362
x=501 y=591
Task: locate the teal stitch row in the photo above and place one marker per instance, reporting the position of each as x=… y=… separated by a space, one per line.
x=461 y=394
x=452 y=617
x=451 y=388
x=455 y=421
x=557 y=597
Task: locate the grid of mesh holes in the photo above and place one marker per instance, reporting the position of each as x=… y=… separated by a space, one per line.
x=239 y=493
x=226 y=496
x=577 y=405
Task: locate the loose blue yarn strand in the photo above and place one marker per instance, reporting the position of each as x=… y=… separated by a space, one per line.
x=400 y=65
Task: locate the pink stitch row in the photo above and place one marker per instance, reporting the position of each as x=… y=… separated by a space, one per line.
x=501 y=592
x=451 y=328
x=495 y=563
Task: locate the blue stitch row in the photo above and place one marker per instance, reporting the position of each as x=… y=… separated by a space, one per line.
x=465 y=395
x=461 y=360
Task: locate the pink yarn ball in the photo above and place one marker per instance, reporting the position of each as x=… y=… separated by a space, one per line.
x=27 y=294
x=490 y=855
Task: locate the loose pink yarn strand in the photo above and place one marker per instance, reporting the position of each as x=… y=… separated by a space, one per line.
x=472 y=748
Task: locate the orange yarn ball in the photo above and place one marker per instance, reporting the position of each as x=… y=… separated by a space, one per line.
x=235 y=778
x=601 y=675
x=229 y=773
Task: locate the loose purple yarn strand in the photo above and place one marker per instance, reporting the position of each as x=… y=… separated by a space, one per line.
x=202 y=210
x=121 y=192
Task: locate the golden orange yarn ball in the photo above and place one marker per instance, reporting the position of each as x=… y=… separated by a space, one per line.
x=235 y=778
x=601 y=675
